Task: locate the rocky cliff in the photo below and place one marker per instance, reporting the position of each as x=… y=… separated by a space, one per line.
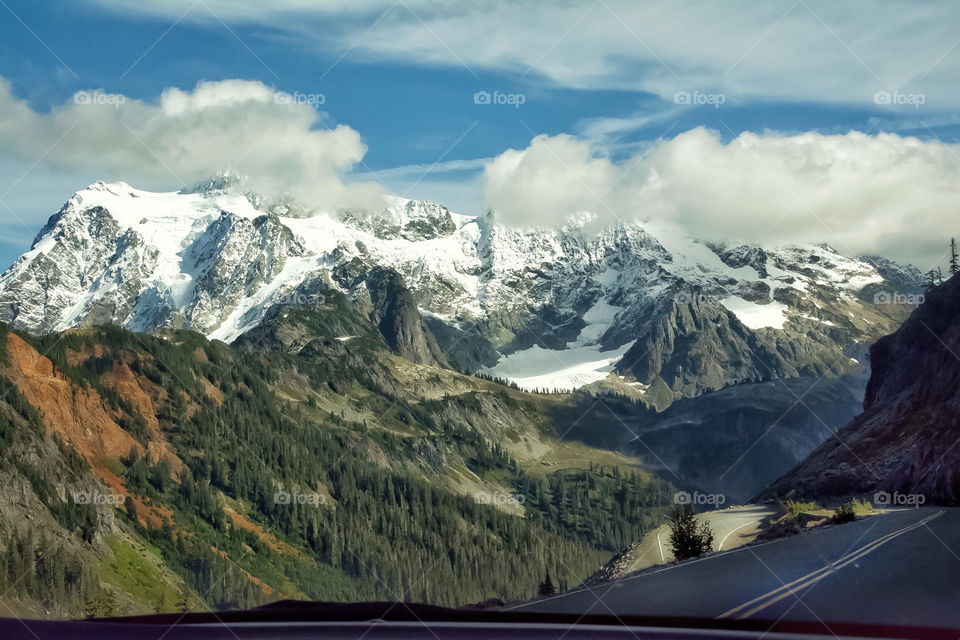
x=906 y=440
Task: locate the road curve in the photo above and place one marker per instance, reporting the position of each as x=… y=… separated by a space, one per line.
x=732 y=527
x=902 y=567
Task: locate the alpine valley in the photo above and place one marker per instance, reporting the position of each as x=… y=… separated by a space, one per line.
x=403 y=403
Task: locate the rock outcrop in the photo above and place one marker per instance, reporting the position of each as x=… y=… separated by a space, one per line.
x=907 y=440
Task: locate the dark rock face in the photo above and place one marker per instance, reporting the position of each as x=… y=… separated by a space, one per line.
x=234 y=257
x=907 y=440
x=742 y=256
x=897 y=278
x=395 y=313
x=466 y=348
x=392 y=307
x=291 y=329
x=696 y=347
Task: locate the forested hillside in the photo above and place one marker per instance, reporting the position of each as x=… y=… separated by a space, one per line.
x=306 y=461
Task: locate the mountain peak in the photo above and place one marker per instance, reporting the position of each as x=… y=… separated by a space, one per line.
x=217 y=185
x=109 y=187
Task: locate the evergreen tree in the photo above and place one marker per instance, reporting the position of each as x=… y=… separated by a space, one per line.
x=954 y=260
x=546 y=587
x=688 y=538
x=131 y=508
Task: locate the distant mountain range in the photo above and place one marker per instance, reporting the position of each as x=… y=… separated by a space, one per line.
x=635 y=311
x=638 y=307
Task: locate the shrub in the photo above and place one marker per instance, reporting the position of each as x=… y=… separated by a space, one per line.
x=844 y=513
x=848 y=511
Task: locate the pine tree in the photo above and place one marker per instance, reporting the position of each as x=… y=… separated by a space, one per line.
x=546 y=587
x=931 y=279
x=687 y=538
x=954 y=260
x=131 y=508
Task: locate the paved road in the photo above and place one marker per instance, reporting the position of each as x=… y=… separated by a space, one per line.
x=902 y=567
x=731 y=527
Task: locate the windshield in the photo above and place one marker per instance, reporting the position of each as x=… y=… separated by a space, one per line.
x=565 y=308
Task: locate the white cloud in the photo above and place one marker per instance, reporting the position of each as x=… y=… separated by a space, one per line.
x=816 y=51
x=234 y=125
x=887 y=194
x=418 y=172
x=544 y=184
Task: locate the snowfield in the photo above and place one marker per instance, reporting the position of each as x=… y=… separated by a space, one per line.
x=757 y=316
x=537 y=368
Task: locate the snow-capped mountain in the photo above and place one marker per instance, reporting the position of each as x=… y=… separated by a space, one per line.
x=547 y=308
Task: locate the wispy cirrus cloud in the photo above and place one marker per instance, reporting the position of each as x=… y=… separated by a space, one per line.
x=799 y=50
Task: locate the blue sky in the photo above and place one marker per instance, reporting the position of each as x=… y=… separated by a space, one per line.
x=403 y=75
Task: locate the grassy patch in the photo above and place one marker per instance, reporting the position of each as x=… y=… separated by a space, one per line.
x=115 y=467
x=796 y=507
x=134 y=574
x=861 y=507
x=658 y=395
x=502 y=477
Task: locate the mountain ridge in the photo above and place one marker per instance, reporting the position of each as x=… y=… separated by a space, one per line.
x=215 y=259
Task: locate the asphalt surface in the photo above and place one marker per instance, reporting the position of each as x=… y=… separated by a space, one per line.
x=732 y=527
x=902 y=567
